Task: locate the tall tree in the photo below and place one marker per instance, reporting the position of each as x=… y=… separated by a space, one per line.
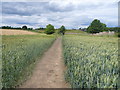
x=49 y=29
x=62 y=30
x=24 y=27
x=96 y=26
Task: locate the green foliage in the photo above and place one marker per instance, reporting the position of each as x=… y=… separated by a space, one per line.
x=91 y=61
x=118 y=34
x=16 y=28
x=9 y=27
x=49 y=29
x=115 y=29
x=96 y=26
x=24 y=27
x=62 y=30
x=41 y=28
x=20 y=28
x=19 y=56
x=29 y=28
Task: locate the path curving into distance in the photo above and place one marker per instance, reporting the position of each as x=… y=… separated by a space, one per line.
x=49 y=71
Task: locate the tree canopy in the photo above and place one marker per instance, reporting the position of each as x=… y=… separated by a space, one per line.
x=62 y=30
x=24 y=27
x=96 y=26
x=49 y=29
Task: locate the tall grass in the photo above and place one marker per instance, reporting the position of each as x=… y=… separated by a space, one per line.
x=92 y=62
x=19 y=55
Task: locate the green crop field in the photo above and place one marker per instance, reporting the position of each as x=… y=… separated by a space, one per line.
x=19 y=55
x=92 y=61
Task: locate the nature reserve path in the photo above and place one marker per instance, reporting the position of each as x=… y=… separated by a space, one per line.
x=49 y=71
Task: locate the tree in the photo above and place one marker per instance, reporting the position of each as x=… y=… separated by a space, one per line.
x=96 y=26
x=104 y=27
x=24 y=27
x=49 y=29
x=61 y=30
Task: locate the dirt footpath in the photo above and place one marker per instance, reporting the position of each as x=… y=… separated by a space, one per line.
x=49 y=71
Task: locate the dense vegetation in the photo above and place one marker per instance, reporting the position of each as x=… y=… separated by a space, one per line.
x=17 y=28
x=91 y=61
x=96 y=26
x=62 y=30
x=49 y=29
x=24 y=27
x=115 y=29
x=19 y=56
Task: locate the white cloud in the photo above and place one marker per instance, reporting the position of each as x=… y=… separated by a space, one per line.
x=71 y=13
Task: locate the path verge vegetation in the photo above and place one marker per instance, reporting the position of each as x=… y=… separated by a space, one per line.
x=19 y=54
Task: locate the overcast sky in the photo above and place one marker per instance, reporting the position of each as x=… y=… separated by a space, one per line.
x=70 y=13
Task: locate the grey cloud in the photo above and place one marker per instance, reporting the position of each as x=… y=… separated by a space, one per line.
x=71 y=15
x=23 y=8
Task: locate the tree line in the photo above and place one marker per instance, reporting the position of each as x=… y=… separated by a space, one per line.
x=96 y=26
x=48 y=30
x=18 y=28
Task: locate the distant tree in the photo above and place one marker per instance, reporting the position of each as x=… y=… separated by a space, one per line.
x=115 y=29
x=29 y=28
x=24 y=27
x=80 y=28
x=62 y=30
x=41 y=28
x=104 y=27
x=96 y=26
x=6 y=27
x=49 y=29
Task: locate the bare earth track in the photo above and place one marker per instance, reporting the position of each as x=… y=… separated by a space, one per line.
x=49 y=71
x=15 y=32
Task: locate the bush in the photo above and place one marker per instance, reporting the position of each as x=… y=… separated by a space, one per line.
x=49 y=29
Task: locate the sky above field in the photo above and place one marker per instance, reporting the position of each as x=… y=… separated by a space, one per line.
x=70 y=13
